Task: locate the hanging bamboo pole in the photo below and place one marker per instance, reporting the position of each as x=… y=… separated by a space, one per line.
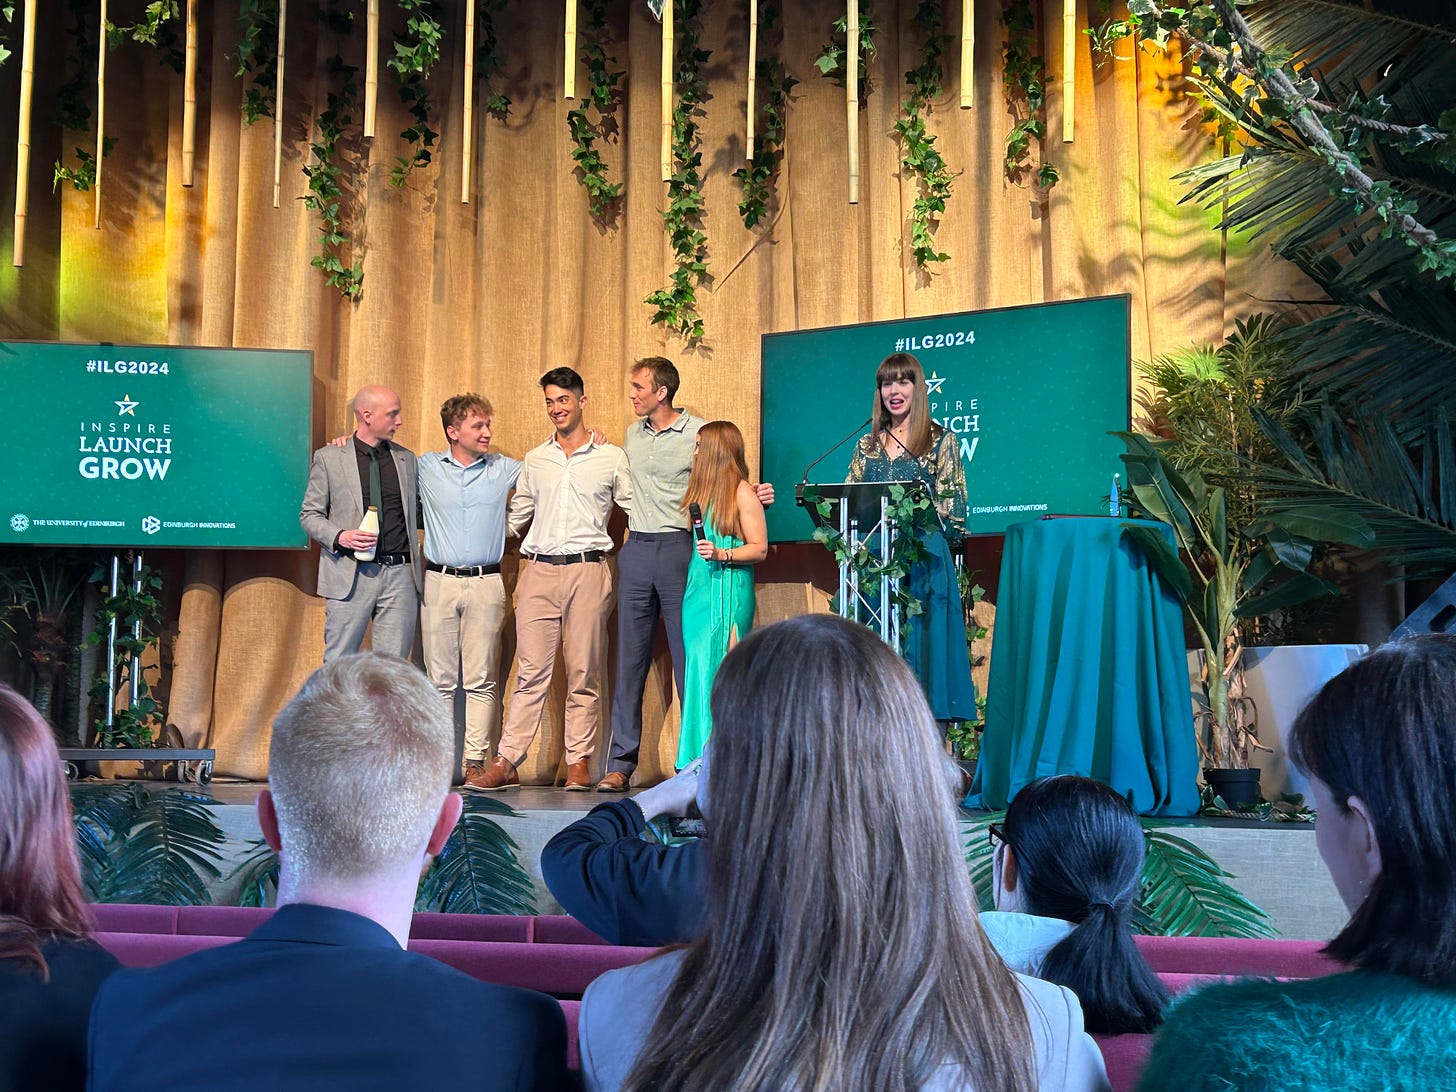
x=752 y=71
x=467 y=123
x=968 y=54
x=851 y=94
x=278 y=105
x=22 y=140
x=189 y=97
x=667 y=89
x=1069 y=66
x=100 y=109
x=568 y=83
x=371 y=66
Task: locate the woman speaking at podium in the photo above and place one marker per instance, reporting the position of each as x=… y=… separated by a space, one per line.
x=903 y=445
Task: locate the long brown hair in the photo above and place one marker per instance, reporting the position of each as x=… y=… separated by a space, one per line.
x=904 y=366
x=40 y=877
x=718 y=467
x=842 y=947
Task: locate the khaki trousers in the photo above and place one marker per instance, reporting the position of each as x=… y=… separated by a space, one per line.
x=566 y=606
x=460 y=625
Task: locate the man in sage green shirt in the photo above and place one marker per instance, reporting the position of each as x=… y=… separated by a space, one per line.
x=652 y=566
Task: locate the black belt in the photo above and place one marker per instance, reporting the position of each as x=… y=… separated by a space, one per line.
x=570 y=559
x=463 y=570
x=387 y=560
x=654 y=536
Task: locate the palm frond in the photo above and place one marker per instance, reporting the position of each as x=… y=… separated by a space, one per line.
x=257 y=874
x=1361 y=466
x=1186 y=893
x=978 y=857
x=477 y=871
x=103 y=813
x=169 y=856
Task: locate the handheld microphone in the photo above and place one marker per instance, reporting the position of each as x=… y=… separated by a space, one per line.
x=695 y=513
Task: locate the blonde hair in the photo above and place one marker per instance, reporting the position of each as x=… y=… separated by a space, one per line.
x=842 y=948
x=359 y=765
x=904 y=366
x=718 y=467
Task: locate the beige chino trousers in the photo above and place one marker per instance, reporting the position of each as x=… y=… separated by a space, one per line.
x=564 y=606
x=460 y=624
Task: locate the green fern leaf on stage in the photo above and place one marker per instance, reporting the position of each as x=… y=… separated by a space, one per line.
x=1186 y=893
x=103 y=813
x=477 y=871
x=257 y=874
x=168 y=855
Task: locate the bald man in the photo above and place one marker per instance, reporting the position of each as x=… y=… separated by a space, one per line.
x=369 y=470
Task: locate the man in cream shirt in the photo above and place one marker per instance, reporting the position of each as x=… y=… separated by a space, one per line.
x=566 y=492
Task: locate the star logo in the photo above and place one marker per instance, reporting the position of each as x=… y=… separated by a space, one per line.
x=19 y=522
x=932 y=385
x=151 y=525
x=126 y=407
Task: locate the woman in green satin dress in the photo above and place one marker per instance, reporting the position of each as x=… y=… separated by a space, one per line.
x=904 y=444
x=718 y=603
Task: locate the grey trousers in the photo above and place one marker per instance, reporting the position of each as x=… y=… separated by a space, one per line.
x=384 y=594
x=652 y=571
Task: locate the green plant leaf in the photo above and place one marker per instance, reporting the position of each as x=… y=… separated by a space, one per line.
x=477 y=871
x=1186 y=893
x=169 y=855
x=257 y=874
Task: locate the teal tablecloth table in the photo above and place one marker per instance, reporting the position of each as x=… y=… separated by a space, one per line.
x=1089 y=674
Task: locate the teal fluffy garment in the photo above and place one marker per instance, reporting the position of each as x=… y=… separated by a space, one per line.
x=1362 y=1031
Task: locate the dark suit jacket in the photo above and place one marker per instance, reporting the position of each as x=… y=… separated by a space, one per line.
x=334 y=502
x=314 y=999
x=43 y=1019
x=625 y=890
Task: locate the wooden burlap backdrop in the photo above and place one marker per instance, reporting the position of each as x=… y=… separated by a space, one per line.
x=487 y=295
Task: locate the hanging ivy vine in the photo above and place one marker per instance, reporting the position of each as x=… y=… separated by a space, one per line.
x=7 y=12
x=157 y=28
x=73 y=101
x=328 y=194
x=1024 y=77
x=677 y=303
x=258 y=56
x=831 y=60
x=415 y=52
x=603 y=95
x=918 y=152
x=488 y=59
x=758 y=177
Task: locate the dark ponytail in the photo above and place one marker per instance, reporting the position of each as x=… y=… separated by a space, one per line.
x=1079 y=855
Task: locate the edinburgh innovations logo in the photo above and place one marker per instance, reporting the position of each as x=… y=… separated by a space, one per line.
x=151 y=524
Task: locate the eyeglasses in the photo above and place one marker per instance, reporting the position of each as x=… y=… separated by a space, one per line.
x=996 y=833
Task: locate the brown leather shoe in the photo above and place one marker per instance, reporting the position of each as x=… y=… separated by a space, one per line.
x=578 y=776
x=500 y=774
x=474 y=771
x=616 y=781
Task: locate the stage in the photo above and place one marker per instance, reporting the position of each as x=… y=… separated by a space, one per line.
x=1275 y=865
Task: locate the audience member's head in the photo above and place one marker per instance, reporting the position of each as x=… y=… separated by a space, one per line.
x=40 y=878
x=1072 y=848
x=1379 y=745
x=359 y=774
x=842 y=948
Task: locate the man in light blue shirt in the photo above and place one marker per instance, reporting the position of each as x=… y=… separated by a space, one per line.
x=464 y=492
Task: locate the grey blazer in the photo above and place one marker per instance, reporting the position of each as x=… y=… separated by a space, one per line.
x=334 y=502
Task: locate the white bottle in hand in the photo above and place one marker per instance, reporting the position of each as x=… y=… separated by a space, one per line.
x=369 y=523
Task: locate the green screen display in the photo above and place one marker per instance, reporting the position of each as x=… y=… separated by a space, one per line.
x=154 y=446
x=1031 y=392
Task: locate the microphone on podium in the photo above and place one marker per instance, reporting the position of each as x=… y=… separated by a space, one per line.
x=856 y=431
x=695 y=513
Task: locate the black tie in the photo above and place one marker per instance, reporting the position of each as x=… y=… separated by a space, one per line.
x=375 y=490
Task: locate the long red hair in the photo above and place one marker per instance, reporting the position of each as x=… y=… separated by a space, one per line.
x=40 y=875
x=718 y=467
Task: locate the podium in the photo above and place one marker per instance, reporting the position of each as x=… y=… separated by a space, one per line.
x=858 y=513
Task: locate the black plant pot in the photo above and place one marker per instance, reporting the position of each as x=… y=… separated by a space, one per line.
x=1238 y=788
